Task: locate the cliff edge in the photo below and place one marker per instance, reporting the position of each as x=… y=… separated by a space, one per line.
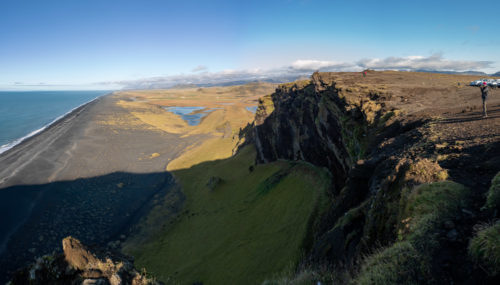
x=412 y=162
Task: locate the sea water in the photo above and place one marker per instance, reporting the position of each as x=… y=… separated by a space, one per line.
x=26 y=113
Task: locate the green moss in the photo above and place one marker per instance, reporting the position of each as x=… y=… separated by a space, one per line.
x=266 y=105
x=484 y=248
x=353 y=135
x=426 y=208
x=306 y=277
x=386 y=117
x=352 y=215
x=423 y=210
x=310 y=276
x=443 y=197
x=493 y=195
x=238 y=234
x=399 y=264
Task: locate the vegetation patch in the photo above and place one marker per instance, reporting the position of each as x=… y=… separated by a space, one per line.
x=309 y=276
x=264 y=109
x=399 y=264
x=484 y=248
x=272 y=181
x=353 y=135
x=236 y=234
x=427 y=207
x=493 y=195
x=424 y=210
x=444 y=197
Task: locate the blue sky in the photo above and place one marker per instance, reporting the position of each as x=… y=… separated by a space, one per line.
x=108 y=44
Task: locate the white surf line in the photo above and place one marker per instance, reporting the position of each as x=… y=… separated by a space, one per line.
x=51 y=139
x=12 y=144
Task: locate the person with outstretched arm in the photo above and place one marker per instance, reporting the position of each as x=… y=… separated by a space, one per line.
x=484 y=94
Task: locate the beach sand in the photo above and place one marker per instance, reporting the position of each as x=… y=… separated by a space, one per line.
x=95 y=173
x=90 y=175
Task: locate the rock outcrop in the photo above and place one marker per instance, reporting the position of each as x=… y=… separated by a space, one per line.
x=381 y=140
x=80 y=264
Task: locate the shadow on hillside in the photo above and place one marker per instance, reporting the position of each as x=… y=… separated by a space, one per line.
x=493 y=113
x=475 y=166
x=35 y=218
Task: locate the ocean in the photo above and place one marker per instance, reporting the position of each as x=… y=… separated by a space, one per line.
x=26 y=113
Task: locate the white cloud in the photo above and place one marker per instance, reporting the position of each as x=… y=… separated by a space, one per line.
x=303 y=67
x=433 y=62
x=212 y=78
x=308 y=64
x=200 y=68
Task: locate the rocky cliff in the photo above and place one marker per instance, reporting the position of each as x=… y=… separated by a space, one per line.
x=396 y=144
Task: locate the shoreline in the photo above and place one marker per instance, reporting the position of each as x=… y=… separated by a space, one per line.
x=10 y=145
x=81 y=176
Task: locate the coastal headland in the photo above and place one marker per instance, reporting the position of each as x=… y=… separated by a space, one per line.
x=388 y=178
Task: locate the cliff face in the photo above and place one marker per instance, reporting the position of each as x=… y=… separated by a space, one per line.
x=313 y=121
x=302 y=126
x=383 y=140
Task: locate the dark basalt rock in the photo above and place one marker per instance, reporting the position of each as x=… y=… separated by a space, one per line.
x=375 y=156
x=80 y=264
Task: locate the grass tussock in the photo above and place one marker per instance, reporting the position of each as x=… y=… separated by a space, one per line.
x=484 y=248
x=493 y=195
x=399 y=264
x=311 y=276
x=424 y=210
x=443 y=197
x=236 y=233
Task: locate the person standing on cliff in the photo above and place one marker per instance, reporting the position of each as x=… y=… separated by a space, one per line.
x=484 y=94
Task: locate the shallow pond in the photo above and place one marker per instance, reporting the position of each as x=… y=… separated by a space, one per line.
x=252 y=109
x=192 y=115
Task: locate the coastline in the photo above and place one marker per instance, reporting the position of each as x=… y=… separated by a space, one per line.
x=82 y=177
x=15 y=142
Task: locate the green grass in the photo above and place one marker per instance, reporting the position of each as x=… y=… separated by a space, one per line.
x=399 y=264
x=443 y=196
x=493 y=195
x=484 y=248
x=249 y=227
x=441 y=199
x=424 y=210
x=304 y=277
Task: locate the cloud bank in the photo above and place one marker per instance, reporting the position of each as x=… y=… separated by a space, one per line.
x=433 y=62
x=308 y=65
x=300 y=68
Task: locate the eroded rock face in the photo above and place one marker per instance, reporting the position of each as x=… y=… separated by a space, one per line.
x=319 y=122
x=81 y=265
x=379 y=140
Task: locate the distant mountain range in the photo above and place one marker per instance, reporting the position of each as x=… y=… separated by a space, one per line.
x=278 y=79
x=469 y=72
x=230 y=83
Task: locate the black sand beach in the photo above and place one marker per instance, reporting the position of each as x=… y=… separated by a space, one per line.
x=82 y=177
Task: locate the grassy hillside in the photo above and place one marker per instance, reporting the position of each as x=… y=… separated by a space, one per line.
x=242 y=228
